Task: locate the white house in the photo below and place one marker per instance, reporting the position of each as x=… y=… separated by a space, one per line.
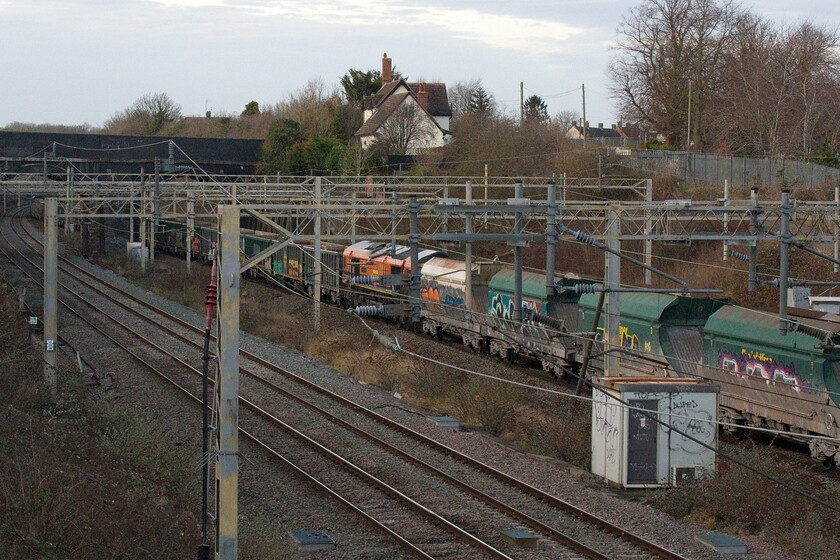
x=410 y=115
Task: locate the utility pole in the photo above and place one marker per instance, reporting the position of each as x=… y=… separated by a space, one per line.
x=583 y=95
x=836 y=225
x=688 y=127
x=394 y=202
x=189 y=237
x=227 y=386
x=50 y=294
x=517 y=256
x=726 y=218
x=414 y=243
x=753 y=254
x=67 y=204
x=550 y=238
x=784 y=250
x=612 y=281
x=316 y=265
x=156 y=207
x=648 y=231
x=143 y=227
x=468 y=297
x=521 y=102
x=353 y=219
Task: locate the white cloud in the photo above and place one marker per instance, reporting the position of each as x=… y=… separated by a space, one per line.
x=493 y=29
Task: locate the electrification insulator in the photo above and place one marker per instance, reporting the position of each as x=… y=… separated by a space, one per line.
x=584 y=288
x=363 y=280
x=547 y=321
x=584 y=237
x=368 y=310
x=740 y=256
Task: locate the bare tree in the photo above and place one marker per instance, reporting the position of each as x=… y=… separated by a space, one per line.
x=149 y=115
x=669 y=55
x=780 y=90
x=565 y=119
x=460 y=94
x=405 y=130
x=314 y=106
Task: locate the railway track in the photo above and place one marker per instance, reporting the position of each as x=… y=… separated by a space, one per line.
x=412 y=462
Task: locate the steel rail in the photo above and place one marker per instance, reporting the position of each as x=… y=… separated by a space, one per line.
x=503 y=477
x=371 y=479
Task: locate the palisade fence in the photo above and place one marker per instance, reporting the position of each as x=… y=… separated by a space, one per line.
x=739 y=171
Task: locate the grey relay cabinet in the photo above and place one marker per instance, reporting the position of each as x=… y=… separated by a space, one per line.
x=631 y=449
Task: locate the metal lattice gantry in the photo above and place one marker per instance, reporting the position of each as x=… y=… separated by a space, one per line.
x=319 y=210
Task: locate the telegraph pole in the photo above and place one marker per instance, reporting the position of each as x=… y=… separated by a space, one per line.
x=688 y=126
x=583 y=96
x=50 y=294
x=227 y=386
x=521 y=102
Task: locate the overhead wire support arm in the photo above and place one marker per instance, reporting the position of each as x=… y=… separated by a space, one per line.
x=596 y=288
x=588 y=239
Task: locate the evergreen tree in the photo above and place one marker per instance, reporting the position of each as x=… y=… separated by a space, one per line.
x=357 y=84
x=535 y=109
x=251 y=109
x=480 y=102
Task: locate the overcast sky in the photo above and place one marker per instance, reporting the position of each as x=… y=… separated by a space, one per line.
x=80 y=61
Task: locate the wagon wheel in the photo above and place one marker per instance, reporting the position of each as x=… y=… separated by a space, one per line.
x=828 y=463
x=735 y=432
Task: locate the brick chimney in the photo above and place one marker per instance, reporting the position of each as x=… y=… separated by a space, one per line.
x=386 y=69
x=423 y=96
x=600 y=125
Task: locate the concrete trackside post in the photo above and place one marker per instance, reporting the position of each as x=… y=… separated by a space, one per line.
x=316 y=256
x=517 y=259
x=188 y=238
x=550 y=238
x=612 y=281
x=468 y=290
x=227 y=386
x=50 y=293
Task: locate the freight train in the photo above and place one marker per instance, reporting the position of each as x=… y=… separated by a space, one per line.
x=786 y=382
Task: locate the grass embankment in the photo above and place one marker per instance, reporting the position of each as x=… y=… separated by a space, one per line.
x=80 y=478
x=735 y=501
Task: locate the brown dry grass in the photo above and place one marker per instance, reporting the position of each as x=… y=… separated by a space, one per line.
x=739 y=501
x=80 y=478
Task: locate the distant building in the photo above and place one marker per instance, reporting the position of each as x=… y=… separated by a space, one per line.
x=413 y=114
x=621 y=134
x=595 y=134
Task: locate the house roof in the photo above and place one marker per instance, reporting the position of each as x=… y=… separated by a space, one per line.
x=595 y=132
x=438 y=98
x=382 y=113
x=385 y=110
